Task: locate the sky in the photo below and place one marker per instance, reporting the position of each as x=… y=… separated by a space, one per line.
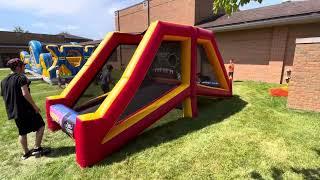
x=87 y=18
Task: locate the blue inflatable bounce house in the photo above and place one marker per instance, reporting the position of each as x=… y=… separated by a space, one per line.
x=43 y=60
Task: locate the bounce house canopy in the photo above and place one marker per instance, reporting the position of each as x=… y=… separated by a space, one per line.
x=152 y=84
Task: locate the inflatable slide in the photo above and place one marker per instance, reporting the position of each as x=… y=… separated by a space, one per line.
x=171 y=65
x=44 y=59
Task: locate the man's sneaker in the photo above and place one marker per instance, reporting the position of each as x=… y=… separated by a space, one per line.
x=40 y=151
x=26 y=155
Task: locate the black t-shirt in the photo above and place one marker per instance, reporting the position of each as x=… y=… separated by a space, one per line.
x=16 y=104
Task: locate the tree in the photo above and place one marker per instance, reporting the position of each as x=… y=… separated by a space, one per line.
x=230 y=6
x=19 y=29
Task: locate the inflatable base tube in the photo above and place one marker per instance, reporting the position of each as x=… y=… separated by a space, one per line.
x=65 y=117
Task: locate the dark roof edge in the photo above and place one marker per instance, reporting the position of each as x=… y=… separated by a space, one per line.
x=13 y=46
x=266 y=22
x=210 y=19
x=77 y=37
x=90 y=42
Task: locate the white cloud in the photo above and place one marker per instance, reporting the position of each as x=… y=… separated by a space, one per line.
x=46 y=7
x=89 y=18
x=63 y=7
x=58 y=27
x=4 y=29
x=66 y=27
x=72 y=27
x=40 y=25
x=66 y=7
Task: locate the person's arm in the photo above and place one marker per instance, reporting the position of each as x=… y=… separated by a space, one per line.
x=26 y=94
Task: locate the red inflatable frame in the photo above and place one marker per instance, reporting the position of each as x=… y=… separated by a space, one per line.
x=97 y=134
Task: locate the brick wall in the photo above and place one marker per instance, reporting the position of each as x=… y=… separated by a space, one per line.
x=304 y=87
x=132 y=19
x=296 y=32
x=188 y=12
x=257 y=53
x=263 y=54
x=179 y=11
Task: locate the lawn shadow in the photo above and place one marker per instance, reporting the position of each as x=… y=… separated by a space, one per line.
x=277 y=173
x=256 y=175
x=211 y=111
x=308 y=173
x=61 y=151
x=317 y=151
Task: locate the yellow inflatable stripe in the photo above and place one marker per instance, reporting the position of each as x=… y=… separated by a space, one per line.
x=45 y=72
x=124 y=78
x=221 y=89
x=187 y=108
x=142 y=113
x=214 y=61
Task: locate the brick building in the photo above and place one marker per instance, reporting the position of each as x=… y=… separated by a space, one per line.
x=304 y=88
x=12 y=43
x=137 y=18
x=262 y=40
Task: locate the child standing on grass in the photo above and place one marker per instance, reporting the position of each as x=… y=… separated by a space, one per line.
x=107 y=79
x=21 y=107
x=231 y=69
x=58 y=76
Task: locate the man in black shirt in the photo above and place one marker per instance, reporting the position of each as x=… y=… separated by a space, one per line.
x=21 y=107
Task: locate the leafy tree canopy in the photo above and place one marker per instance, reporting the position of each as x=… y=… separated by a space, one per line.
x=230 y=6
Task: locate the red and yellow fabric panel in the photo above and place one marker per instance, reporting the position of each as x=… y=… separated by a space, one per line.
x=98 y=134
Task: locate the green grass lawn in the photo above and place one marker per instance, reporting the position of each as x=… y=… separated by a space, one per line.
x=251 y=135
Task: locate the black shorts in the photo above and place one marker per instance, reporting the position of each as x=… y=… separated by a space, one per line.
x=105 y=88
x=231 y=74
x=31 y=122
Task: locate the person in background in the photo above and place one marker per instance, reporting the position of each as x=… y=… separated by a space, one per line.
x=123 y=67
x=231 y=69
x=288 y=77
x=107 y=79
x=21 y=107
x=58 y=75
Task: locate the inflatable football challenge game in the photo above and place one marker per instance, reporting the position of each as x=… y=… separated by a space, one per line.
x=168 y=69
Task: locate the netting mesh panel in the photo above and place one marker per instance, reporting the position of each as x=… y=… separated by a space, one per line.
x=97 y=91
x=205 y=72
x=163 y=76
